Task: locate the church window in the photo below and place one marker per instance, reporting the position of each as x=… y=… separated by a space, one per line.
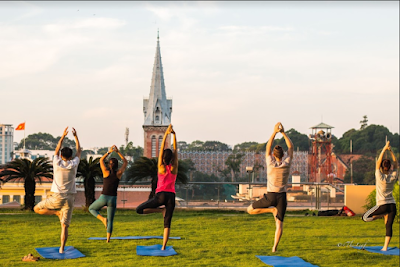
x=157 y=118
x=153 y=146
x=159 y=142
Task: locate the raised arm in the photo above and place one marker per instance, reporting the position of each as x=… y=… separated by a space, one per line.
x=103 y=167
x=161 y=168
x=395 y=163
x=78 y=146
x=380 y=158
x=288 y=142
x=174 y=168
x=271 y=140
x=57 y=151
x=124 y=164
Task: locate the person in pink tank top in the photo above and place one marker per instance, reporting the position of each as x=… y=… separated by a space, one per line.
x=165 y=192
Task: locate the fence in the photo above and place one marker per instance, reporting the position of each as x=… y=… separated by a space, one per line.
x=239 y=195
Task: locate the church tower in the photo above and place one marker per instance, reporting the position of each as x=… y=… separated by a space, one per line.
x=157 y=110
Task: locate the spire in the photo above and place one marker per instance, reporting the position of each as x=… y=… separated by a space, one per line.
x=157 y=108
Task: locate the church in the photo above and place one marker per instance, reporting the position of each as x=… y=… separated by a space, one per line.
x=157 y=110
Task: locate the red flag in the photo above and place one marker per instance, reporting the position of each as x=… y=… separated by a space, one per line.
x=20 y=127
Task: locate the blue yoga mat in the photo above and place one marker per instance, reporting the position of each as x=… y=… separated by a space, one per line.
x=155 y=250
x=278 y=261
x=52 y=253
x=133 y=237
x=377 y=249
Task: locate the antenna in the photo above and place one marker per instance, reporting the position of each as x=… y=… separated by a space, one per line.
x=126 y=136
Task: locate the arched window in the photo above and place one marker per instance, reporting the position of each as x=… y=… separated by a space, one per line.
x=157 y=119
x=153 y=146
x=159 y=143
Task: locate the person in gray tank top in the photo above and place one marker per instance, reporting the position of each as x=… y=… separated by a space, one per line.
x=278 y=170
x=385 y=203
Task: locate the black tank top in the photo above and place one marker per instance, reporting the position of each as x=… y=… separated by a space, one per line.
x=110 y=185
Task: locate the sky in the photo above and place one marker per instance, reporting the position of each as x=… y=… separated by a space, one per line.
x=233 y=69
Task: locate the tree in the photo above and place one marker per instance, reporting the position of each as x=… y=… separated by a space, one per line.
x=102 y=150
x=89 y=170
x=28 y=171
x=182 y=145
x=364 y=122
x=233 y=164
x=147 y=168
x=246 y=146
x=86 y=152
x=44 y=141
x=299 y=140
x=195 y=145
x=215 y=146
x=366 y=141
x=363 y=171
x=204 y=191
x=131 y=152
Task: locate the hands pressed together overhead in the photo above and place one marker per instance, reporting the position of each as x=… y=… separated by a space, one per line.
x=170 y=130
x=279 y=128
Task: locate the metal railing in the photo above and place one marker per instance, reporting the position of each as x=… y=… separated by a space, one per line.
x=241 y=194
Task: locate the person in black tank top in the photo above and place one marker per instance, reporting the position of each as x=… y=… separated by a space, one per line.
x=108 y=197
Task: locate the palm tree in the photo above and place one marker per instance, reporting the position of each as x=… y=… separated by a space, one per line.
x=30 y=172
x=89 y=170
x=145 y=167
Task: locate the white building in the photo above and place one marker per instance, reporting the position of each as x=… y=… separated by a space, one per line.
x=6 y=143
x=33 y=154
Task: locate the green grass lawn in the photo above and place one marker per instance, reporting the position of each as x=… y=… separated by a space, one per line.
x=209 y=238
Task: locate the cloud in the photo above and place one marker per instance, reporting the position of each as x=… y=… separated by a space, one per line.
x=232 y=29
x=91 y=23
x=163 y=13
x=98 y=113
x=32 y=49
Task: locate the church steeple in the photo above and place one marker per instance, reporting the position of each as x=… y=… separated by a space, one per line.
x=157 y=108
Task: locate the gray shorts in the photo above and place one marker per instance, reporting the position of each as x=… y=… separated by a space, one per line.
x=62 y=202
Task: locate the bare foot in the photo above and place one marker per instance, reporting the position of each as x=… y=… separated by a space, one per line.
x=104 y=221
x=108 y=240
x=384 y=249
x=274 y=249
x=61 y=250
x=163 y=248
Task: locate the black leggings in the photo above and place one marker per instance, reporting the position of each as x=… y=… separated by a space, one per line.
x=161 y=198
x=389 y=209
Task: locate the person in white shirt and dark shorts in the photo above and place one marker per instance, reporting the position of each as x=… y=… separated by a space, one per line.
x=278 y=170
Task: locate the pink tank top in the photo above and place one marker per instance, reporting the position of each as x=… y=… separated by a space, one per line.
x=166 y=181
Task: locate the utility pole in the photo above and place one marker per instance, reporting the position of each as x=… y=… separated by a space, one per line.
x=351 y=162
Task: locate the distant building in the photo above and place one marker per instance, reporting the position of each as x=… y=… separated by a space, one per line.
x=6 y=143
x=212 y=162
x=33 y=154
x=157 y=110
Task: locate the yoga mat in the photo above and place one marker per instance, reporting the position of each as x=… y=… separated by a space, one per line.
x=133 y=237
x=52 y=253
x=278 y=261
x=377 y=249
x=155 y=250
